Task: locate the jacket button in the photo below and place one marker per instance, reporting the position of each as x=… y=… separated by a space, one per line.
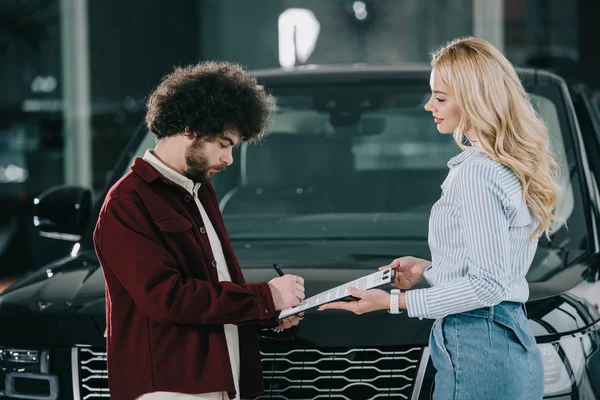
x=187 y=197
x=214 y=263
x=203 y=230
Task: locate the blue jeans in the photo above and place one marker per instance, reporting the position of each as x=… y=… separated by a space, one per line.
x=484 y=354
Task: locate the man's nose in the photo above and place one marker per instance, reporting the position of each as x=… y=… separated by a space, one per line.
x=227 y=158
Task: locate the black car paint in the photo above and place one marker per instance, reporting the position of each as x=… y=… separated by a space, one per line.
x=62 y=305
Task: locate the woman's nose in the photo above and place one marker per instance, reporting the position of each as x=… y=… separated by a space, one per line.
x=427 y=106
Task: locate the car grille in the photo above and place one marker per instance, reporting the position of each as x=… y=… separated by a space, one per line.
x=342 y=373
x=93 y=375
x=308 y=373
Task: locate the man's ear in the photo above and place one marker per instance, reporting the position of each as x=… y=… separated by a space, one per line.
x=188 y=134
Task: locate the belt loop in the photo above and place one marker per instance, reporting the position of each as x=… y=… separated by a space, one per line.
x=491 y=313
x=524 y=309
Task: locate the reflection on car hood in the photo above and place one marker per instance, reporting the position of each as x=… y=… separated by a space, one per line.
x=328 y=226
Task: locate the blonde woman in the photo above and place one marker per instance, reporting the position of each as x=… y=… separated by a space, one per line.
x=497 y=200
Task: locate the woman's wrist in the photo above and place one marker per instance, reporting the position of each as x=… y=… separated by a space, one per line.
x=424 y=266
x=402 y=301
x=386 y=304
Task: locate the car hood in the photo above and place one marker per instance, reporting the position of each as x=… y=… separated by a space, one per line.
x=65 y=300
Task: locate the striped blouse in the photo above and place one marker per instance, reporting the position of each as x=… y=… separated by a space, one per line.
x=479 y=240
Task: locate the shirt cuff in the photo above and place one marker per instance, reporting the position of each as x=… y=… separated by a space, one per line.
x=416 y=303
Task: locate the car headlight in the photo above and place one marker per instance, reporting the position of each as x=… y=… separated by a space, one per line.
x=564 y=364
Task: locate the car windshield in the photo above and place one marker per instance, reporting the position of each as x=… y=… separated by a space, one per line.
x=346 y=162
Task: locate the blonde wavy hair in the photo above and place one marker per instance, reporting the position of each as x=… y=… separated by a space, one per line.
x=496 y=112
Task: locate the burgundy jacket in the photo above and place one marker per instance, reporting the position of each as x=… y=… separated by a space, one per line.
x=165 y=307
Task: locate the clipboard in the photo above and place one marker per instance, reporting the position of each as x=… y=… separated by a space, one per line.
x=371 y=281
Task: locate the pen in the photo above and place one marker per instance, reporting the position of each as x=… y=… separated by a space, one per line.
x=279 y=270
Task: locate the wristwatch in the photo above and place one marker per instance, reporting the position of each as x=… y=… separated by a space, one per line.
x=394 y=295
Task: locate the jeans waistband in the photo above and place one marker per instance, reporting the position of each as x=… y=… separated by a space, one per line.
x=514 y=305
x=499 y=311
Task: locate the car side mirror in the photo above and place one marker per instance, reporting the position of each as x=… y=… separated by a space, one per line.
x=63 y=212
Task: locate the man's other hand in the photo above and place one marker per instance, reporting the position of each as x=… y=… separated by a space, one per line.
x=287 y=291
x=289 y=322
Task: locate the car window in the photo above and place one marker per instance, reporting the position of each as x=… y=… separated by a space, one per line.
x=148 y=142
x=345 y=154
x=363 y=151
x=547 y=110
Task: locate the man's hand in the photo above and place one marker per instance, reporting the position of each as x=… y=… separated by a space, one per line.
x=409 y=271
x=289 y=322
x=287 y=291
x=368 y=300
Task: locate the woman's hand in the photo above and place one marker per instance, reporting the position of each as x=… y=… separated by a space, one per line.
x=368 y=300
x=409 y=271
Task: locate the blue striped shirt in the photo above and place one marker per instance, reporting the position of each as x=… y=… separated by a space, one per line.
x=479 y=240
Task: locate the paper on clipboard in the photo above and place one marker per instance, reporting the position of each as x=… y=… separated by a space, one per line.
x=371 y=281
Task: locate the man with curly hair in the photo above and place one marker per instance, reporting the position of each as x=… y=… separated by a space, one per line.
x=182 y=323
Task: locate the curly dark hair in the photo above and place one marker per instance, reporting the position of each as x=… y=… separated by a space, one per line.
x=209 y=98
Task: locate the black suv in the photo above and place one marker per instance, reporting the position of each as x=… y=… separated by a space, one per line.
x=343 y=185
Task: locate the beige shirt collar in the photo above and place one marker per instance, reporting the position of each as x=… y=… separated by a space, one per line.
x=170 y=173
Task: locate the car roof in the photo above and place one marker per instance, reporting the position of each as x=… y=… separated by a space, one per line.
x=352 y=72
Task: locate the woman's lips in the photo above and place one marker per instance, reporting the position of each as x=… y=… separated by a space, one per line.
x=438 y=120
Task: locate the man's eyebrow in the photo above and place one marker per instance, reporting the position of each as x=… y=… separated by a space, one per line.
x=227 y=138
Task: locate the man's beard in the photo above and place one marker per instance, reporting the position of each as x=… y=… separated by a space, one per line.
x=197 y=164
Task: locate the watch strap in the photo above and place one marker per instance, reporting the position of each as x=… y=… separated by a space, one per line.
x=394 y=302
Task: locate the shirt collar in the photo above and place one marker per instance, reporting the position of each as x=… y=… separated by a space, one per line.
x=170 y=173
x=462 y=156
